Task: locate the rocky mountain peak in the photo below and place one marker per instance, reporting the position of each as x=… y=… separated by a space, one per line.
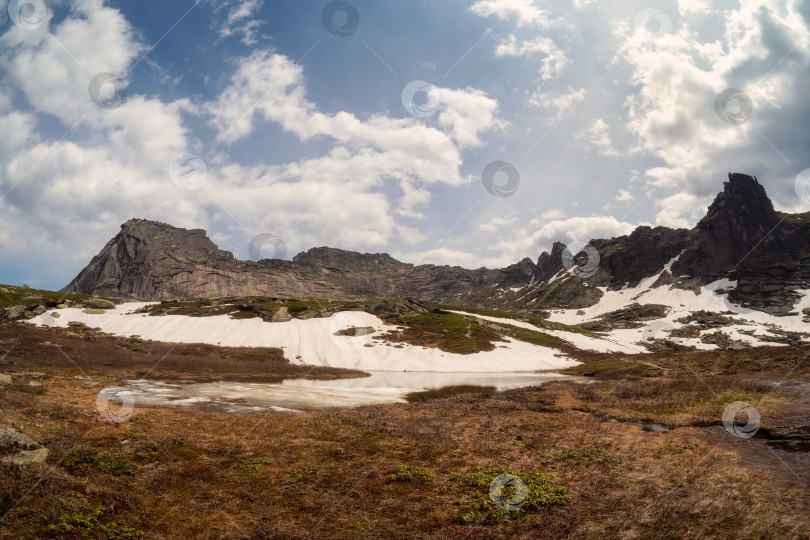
x=549 y=264
x=742 y=204
x=739 y=229
x=741 y=238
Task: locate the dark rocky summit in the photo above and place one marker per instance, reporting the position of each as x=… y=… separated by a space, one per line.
x=741 y=238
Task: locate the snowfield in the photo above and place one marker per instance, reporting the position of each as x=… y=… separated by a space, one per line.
x=313 y=341
x=682 y=303
x=712 y=297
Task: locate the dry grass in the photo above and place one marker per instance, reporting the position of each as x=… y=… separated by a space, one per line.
x=449 y=332
x=389 y=471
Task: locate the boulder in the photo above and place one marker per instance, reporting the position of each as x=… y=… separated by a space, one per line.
x=356 y=331
x=77 y=324
x=93 y=311
x=5 y=379
x=282 y=315
x=98 y=303
x=39 y=310
x=11 y=439
x=15 y=312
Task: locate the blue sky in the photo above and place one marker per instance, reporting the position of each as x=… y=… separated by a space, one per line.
x=605 y=111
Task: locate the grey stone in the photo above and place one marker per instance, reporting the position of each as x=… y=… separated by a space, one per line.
x=282 y=315
x=15 y=312
x=99 y=303
x=5 y=379
x=11 y=439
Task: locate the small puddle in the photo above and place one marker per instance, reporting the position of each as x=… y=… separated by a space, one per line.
x=379 y=387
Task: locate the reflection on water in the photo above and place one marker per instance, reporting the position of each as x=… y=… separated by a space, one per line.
x=380 y=387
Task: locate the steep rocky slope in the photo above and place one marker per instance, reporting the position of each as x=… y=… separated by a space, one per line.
x=740 y=239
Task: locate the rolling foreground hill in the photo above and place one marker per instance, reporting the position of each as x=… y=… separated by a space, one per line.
x=758 y=252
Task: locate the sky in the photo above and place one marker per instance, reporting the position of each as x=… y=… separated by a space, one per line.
x=463 y=132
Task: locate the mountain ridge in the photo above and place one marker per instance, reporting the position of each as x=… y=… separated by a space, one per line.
x=741 y=238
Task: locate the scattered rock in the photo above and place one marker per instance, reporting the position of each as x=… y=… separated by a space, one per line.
x=707 y=319
x=94 y=311
x=777 y=335
x=356 y=331
x=34 y=374
x=724 y=341
x=77 y=324
x=628 y=317
x=688 y=331
x=664 y=345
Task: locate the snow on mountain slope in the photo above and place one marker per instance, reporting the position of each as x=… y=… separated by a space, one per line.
x=576 y=339
x=682 y=303
x=313 y=341
x=712 y=297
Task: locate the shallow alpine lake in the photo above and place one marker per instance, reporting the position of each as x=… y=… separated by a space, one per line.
x=379 y=387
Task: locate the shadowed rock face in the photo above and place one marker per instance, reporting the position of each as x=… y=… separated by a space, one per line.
x=744 y=239
x=741 y=238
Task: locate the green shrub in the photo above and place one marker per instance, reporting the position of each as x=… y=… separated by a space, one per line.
x=76 y=517
x=584 y=454
x=480 y=507
x=101 y=460
x=407 y=473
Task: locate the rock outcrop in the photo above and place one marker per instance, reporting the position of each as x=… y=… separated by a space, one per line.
x=20 y=449
x=741 y=238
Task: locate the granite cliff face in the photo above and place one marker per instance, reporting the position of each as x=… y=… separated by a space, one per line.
x=741 y=238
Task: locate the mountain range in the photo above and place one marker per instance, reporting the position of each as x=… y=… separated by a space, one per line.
x=741 y=239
